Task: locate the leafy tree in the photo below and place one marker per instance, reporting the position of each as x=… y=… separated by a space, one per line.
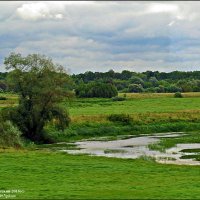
x=196 y=87
x=41 y=85
x=96 y=89
x=135 y=88
x=125 y=75
x=150 y=90
x=185 y=85
x=136 y=80
x=154 y=81
x=173 y=88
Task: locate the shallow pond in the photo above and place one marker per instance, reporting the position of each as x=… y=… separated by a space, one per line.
x=136 y=147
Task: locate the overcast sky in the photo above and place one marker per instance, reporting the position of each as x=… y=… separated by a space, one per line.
x=98 y=36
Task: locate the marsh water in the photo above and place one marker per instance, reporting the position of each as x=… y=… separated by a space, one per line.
x=136 y=147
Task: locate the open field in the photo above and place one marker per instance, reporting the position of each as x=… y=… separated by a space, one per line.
x=157 y=95
x=139 y=109
x=49 y=174
x=150 y=113
x=57 y=175
x=135 y=103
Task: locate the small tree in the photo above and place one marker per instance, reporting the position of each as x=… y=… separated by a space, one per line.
x=136 y=80
x=96 y=89
x=41 y=85
x=137 y=88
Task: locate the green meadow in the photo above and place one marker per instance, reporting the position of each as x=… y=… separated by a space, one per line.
x=42 y=174
x=135 y=104
x=149 y=112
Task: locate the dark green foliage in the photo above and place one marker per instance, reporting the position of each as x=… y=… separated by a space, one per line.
x=123 y=118
x=136 y=80
x=9 y=135
x=153 y=81
x=173 y=88
x=3 y=86
x=135 y=88
x=3 y=98
x=157 y=82
x=96 y=89
x=41 y=85
x=3 y=75
x=178 y=95
x=118 y=98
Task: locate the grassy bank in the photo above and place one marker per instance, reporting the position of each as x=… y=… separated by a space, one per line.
x=150 y=113
x=91 y=130
x=166 y=143
x=43 y=175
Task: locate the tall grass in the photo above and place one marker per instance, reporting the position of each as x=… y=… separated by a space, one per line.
x=86 y=130
x=9 y=135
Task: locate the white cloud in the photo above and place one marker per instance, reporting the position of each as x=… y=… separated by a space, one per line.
x=102 y=35
x=40 y=10
x=160 y=8
x=59 y=16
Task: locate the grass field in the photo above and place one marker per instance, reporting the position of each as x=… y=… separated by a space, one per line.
x=135 y=103
x=150 y=113
x=44 y=174
x=60 y=176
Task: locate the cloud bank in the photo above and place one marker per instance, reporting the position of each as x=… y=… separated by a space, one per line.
x=98 y=36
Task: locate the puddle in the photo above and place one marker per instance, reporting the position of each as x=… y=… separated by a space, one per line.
x=136 y=147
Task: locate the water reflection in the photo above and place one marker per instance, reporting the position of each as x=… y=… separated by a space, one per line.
x=136 y=147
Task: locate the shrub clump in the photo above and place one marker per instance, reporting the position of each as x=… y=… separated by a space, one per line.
x=3 y=98
x=122 y=118
x=118 y=98
x=178 y=95
x=10 y=135
x=96 y=89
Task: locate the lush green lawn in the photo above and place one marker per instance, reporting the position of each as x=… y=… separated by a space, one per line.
x=136 y=103
x=57 y=175
x=131 y=106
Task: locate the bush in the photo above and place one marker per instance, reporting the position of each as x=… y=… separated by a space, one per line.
x=96 y=89
x=178 y=95
x=10 y=135
x=118 y=98
x=123 y=118
x=136 y=88
x=3 y=98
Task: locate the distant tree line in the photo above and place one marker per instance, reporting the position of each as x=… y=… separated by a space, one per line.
x=149 y=81
x=106 y=84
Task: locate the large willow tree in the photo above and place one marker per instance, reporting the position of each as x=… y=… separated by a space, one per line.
x=41 y=85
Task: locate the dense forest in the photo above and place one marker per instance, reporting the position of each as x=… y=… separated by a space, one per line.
x=149 y=81
x=91 y=84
